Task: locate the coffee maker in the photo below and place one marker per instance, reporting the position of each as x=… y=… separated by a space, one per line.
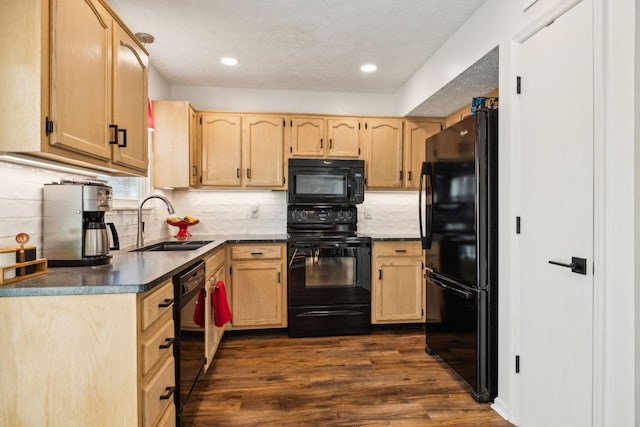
x=73 y=229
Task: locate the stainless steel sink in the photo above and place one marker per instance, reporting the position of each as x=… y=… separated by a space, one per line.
x=174 y=246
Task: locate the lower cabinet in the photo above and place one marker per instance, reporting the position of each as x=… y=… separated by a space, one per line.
x=216 y=272
x=156 y=368
x=258 y=285
x=398 y=284
x=88 y=360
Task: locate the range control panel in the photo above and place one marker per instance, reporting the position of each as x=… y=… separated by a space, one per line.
x=322 y=214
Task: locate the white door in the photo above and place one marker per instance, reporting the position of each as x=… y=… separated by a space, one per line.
x=554 y=338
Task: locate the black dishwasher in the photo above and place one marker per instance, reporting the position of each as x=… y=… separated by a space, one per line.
x=188 y=350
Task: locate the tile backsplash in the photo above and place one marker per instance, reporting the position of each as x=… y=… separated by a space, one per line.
x=21 y=208
x=220 y=212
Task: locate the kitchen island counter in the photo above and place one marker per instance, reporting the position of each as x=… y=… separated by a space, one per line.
x=128 y=272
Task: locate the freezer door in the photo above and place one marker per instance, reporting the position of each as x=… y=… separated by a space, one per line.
x=456 y=331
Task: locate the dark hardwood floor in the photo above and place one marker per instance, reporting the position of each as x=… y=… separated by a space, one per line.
x=382 y=379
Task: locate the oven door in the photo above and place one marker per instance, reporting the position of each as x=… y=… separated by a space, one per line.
x=311 y=185
x=329 y=272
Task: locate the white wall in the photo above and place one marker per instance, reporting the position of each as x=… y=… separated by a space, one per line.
x=284 y=101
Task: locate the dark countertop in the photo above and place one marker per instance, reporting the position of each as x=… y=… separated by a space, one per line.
x=128 y=272
x=389 y=237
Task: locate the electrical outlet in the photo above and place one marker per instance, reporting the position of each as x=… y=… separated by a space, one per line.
x=254 y=211
x=368 y=212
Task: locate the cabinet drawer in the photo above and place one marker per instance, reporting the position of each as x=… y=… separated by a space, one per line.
x=155 y=393
x=387 y=249
x=168 y=419
x=156 y=304
x=158 y=345
x=256 y=252
x=214 y=261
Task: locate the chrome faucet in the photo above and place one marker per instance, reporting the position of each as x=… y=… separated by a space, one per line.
x=140 y=239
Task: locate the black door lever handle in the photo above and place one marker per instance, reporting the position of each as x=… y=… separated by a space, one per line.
x=578 y=265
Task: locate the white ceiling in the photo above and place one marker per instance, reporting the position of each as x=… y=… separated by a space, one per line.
x=312 y=45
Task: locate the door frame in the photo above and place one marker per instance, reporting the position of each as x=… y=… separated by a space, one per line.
x=599 y=208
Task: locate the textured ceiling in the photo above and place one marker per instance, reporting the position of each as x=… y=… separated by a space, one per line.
x=315 y=45
x=477 y=80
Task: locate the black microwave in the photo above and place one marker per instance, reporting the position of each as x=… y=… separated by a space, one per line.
x=326 y=181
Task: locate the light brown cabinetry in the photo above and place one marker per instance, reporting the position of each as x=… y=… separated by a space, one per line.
x=334 y=137
x=397 y=282
x=91 y=360
x=416 y=131
x=216 y=272
x=258 y=285
x=383 y=141
x=176 y=152
x=244 y=151
x=75 y=87
x=156 y=370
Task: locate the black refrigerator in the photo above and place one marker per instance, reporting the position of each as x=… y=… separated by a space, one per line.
x=458 y=209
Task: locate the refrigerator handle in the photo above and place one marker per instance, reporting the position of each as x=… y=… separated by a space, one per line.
x=460 y=292
x=426 y=171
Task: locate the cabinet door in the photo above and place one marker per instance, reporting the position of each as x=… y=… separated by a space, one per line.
x=263 y=151
x=213 y=333
x=307 y=137
x=344 y=138
x=221 y=149
x=130 y=102
x=80 y=78
x=398 y=291
x=195 y=149
x=416 y=132
x=384 y=147
x=257 y=294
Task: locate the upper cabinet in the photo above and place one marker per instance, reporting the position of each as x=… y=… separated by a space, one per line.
x=242 y=150
x=221 y=149
x=396 y=149
x=176 y=159
x=129 y=101
x=263 y=151
x=314 y=136
x=383 y=140
x=75 y=86
x=416 y=131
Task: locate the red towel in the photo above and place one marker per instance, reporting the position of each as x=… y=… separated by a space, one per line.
x=221 y=310
x=198 y=313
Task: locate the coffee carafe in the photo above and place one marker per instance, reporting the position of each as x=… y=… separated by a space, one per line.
x=74 y=230
x=96 y=241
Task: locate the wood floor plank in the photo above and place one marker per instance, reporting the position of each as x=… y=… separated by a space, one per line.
x=381 y=379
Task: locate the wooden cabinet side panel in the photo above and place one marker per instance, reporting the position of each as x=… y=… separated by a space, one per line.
x=80 y=83
x=171 y=144
x=221 y=149
x=69 y=360
x=195 y=149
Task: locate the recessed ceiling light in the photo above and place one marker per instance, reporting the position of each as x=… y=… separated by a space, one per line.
x=369 y=68
x=229 y=61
